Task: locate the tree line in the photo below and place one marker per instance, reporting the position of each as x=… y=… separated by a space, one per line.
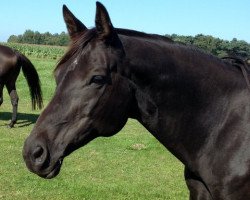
x=209 y=44
x=35 y=37
x=216 y=46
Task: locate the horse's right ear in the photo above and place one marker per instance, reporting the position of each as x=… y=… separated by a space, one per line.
x=74 y=25
x=103 y=23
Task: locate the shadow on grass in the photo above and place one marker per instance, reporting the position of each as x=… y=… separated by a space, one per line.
x=23 y=119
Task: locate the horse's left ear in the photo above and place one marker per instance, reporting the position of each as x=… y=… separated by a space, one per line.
x=103 y=23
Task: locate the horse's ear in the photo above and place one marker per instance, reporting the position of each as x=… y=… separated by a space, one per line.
x=103 y=23
x=74 y=25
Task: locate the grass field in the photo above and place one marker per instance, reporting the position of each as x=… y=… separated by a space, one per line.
x=129 y=165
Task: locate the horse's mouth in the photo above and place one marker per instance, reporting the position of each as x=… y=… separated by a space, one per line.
x=55 y=170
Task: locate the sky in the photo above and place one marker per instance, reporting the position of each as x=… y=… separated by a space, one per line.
x=225 y=19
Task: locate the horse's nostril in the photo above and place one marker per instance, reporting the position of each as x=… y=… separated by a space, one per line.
x=38 y=154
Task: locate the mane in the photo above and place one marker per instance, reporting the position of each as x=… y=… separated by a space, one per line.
x=134 y=33
x=192 y=50
x=78 y=43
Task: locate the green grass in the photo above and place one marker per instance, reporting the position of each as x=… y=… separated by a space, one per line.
x=129 y=165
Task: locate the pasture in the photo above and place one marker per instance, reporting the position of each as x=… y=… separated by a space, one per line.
x=129 y=165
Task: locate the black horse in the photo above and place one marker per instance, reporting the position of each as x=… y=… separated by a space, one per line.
x=195 y=104
x=11 y=62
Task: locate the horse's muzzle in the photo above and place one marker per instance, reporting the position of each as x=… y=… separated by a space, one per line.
x=38 y=159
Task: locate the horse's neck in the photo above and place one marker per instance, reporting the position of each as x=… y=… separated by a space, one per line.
x=178 y=100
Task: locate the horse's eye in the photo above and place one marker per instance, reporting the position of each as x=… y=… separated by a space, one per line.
x=98 y=79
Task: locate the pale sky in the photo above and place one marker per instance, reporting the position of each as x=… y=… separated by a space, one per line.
x=225 y=19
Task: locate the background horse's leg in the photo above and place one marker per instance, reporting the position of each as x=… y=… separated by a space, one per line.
x=1 y=93
x=14 y=101
x=197 y=189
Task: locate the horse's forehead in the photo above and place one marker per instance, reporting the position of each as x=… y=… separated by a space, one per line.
x=85 y=63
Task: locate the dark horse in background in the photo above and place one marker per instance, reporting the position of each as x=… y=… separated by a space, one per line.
x=195 y=104
x=11 y=62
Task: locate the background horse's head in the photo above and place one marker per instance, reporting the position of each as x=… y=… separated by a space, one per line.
x=91 y=98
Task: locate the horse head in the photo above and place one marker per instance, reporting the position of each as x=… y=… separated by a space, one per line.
x=91 y=98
